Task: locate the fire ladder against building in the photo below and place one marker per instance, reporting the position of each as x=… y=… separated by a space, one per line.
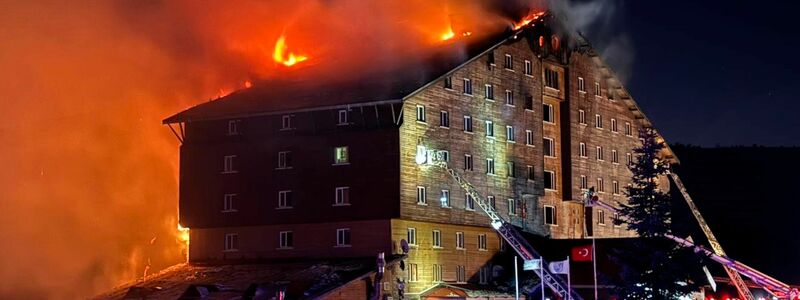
x=515 y=240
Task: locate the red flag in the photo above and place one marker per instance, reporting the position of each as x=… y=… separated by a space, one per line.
x=582 y=253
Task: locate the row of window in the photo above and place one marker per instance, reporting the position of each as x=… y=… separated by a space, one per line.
x=601 y=187
x=436 y=240
x=438 y=269
x=341 y=156
x=444 y=122
x=511 y=172
x=583 y=152
x=601 y=218
x=286 y=240
x=582 y=87
x=285 y=199
x=469 y=202
x=598 y=123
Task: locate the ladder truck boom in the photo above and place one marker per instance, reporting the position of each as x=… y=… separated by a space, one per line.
x=771 y=285
x=506 y=230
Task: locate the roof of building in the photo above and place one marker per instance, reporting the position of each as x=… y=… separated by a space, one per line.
x=300 y=280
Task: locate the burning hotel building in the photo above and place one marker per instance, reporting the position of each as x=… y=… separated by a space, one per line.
x=293 y=169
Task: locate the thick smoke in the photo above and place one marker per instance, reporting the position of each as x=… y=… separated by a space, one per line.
x=90 y=175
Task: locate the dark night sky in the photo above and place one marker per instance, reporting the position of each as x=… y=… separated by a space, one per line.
x=710 y=72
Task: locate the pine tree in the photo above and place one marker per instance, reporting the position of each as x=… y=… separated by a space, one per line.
x=653 y=266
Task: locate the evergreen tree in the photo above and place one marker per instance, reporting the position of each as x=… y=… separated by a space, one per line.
x=653 y=266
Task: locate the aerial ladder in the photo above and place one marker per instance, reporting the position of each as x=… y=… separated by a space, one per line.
x=734 y=268
x=506 y=230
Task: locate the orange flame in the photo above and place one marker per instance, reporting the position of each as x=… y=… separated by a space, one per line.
x=449 y=34
x=183 y=236
x=528 y=19
x=280 y=55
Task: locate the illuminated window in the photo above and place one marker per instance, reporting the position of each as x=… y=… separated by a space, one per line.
x=459 y=240
x=233 y=127
x=461 y=274
x=531 y=173
x=420 y=113
x=437 y=273
x=286 y=122
x=482 y=242
x=445 y=198
x=228 y=166
x=550 y=216
x=509 y=98
x=528 y=67
x=422 y=197
x=601 y=187
x=286 y=240
x=344 y=117
x=600 y=153
x=343 y=237
x=483 y=275
x=582 y=150
x=548 y=114
x=582 y=117
x=341 y=155
x=601 y=217
x=528 y=137
x=615 y=187
x=469 y=203
x=549 y=180
x=511 y=169
x=512 y=207
x=467 y=86
x=489 y=92
x=490 y=166
x=581 y=85
x=411 y=235
x=342 y=196
x=284 y=199
x=614 y=125
x=436 y=239
x=628 y=129
x=467 y=162
x=284 y=160
x=489 y=129
x=413 y=270
x=444 y=119
x=231 y=242
x=598 y=121
x=227 y=203
x=614 y=157
x=549 y=147
x=448 y=82
x=584 y=182
x=509 y=63
x=510 y=134
x=467 y=124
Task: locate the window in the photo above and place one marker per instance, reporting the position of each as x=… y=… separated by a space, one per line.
x=551 y=78
x=483 y=275
x=502 y=245
x=528 y=67
x=548 y=115
x=286 y=122
x=614 y=157
x=444 y=119
x=284 y=160
x=343 y=237
x=490 y=58
x=597 y=89
x=601 y=217
x=231 y=242
x=420 y=113
x=600 y=185
x=421 y=195
x=509 y=98
x=550 y=215
x=444 y=155
x=489 y=92
x=341 y=155
x=342 y=196
x=286 y=240
x=228 y=166
x=467 y=162
x=549 y=147
x=448 y=82
x=582 y=117
x=531 y=173
x=233 y=127
x=490 y=166
x=511 y=169
x=616 y=219
x=284 y=199
x=628 y=129
x=581 y=85
x=459 y=240
x=467 y=87
x=529 y=103
x=227 y=203
x=467 y=124
x=344 y=117
x=582 y=150
x=489 y=129
x=600 y=153
x=628 y=158
x=528 y=137
x=584 y=182
x=469 y=203
x=598 y=121
x=437 y=273
x=445 y=198
x=482 y=242
x=509 y=64
x=491 y=201
x=411 y=236
x=510 y=133
x=413 y=272
x=512 y=207
x=615 y=187
x=614 y=125
x=549 y=180
x=436 y=239
x=461 y=274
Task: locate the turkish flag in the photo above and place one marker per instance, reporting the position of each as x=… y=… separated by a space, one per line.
x=582 y=253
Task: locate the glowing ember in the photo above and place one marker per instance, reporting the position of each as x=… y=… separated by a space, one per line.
x=248 y=84
x=528 y=19
x=466 y=33
x=280 y=55
x=449 y=34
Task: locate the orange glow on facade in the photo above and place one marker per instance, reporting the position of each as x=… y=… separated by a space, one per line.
x=281 y=54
